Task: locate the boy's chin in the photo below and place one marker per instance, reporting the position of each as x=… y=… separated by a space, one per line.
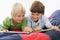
x=35 y=20
x=19 y=22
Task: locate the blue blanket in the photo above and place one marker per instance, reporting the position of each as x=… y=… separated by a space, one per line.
x=4 y=36
x=55 y=18
x=54 y=35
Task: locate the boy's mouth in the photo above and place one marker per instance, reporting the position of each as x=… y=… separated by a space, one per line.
x=19 y=21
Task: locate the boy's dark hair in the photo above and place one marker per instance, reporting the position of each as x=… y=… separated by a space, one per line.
x=38 y=7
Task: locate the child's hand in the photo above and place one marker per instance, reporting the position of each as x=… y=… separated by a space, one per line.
x=28 y=29
x=38 y=28
x=54 y=28
x=4 y=30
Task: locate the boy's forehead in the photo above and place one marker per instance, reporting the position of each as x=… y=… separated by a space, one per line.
x=17 y=14
x=20 y=14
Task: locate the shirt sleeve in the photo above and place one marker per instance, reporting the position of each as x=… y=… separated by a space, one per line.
x=28 y=21
x=47 y=22
x=24 y=24
x=6 y=24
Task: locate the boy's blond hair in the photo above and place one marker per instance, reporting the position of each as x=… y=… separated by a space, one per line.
x=17 y=8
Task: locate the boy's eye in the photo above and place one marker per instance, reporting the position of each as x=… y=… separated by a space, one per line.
x=23 y=15
x=19 y=16
x=38 y=14
x=32 y=14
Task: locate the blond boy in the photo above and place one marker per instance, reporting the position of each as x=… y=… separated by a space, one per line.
x=17 y=22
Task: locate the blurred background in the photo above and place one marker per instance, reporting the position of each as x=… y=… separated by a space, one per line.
x=6 y=7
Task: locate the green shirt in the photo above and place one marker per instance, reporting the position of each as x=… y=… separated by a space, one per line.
x=8 y=24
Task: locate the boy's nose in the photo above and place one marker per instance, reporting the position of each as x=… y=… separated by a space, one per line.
x=35 y=16
x=21 y=18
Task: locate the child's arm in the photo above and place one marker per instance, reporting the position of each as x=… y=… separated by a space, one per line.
x=6 y=24
x=4 y=28
x=49 y=25
x=37 y=28
x=54 y=27
x=25 y=28
x=29 y=23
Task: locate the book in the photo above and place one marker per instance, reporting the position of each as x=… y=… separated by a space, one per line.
x=14 y=32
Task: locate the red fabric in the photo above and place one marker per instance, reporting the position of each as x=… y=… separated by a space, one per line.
x=50 y=17
x=17 y=30
x=35 y=36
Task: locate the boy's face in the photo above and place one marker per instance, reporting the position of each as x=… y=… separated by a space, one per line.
x=36 y=16
x=18 y=17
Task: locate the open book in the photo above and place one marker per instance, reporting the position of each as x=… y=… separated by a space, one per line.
x=26 y=32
